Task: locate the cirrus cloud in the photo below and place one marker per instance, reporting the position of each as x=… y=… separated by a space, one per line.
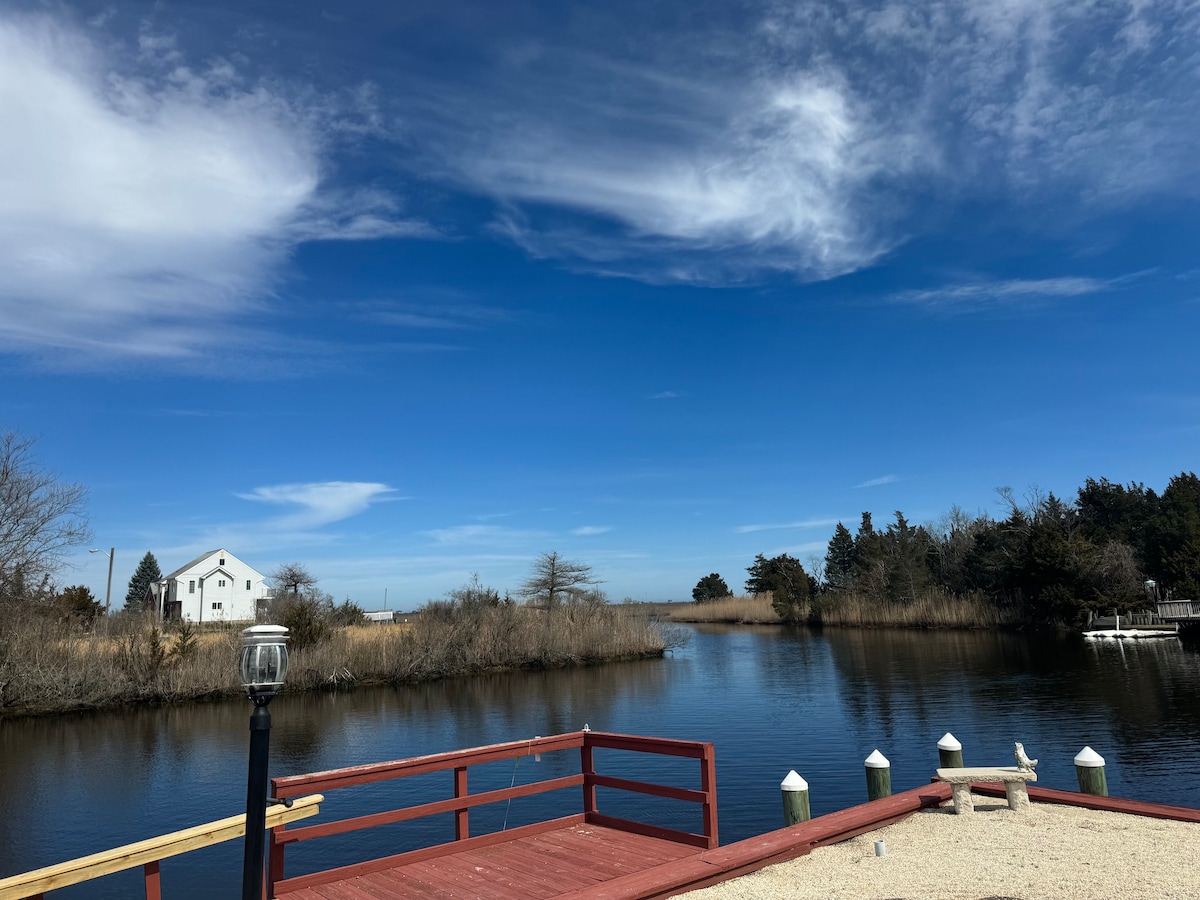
x=320 y=503
x=142 y=200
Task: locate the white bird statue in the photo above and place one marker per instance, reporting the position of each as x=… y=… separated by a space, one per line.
x=1024 y=763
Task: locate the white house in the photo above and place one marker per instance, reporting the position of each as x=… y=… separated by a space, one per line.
x=214 y=587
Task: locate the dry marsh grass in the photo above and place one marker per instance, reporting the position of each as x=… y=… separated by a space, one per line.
x=932 y=610
x=47 y=667
x=748 y=609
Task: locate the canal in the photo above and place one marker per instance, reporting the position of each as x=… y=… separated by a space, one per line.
x=770 y=699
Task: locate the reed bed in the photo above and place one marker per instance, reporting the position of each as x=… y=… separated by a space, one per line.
x=932 y=610
x=48 y=667
x=748 y=609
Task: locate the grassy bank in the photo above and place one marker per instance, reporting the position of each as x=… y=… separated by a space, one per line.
x=49 y=667
x=933 y=610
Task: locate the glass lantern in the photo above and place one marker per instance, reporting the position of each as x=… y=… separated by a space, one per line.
x=264 y=658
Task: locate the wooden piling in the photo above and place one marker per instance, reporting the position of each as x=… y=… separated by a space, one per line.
x=879 y=776
x=795 y=799
x=949 y=752
x=1089 y=769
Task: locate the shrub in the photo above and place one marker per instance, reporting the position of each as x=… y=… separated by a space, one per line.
x=710 y=587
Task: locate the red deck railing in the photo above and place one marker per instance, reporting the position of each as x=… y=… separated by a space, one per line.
x=462 y=801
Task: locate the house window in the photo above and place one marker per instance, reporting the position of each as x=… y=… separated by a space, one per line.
x=247 y=584
x=191 y=587
x=222 y=562
x=216 y=606
x=221 y=583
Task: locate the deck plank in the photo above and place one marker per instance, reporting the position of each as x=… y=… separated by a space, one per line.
x=531 y=867
x=519 y=864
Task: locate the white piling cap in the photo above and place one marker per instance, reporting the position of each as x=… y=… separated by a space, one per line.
x=1089 y=758
x=949 y=742
x=793 y=782
x=877 y=761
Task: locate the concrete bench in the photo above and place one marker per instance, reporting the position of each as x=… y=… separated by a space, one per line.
x=1013 y=779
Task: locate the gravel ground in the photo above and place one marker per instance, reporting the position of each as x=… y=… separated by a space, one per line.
x=1047 y=853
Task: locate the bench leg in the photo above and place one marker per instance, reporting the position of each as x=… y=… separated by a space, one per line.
x=963 y=803
x=1018 y=797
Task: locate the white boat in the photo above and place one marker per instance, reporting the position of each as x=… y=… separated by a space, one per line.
x=1117 y=634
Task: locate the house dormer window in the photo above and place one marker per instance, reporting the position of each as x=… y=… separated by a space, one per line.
x=221 y=562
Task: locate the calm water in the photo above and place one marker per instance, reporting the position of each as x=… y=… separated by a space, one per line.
x=771 y=700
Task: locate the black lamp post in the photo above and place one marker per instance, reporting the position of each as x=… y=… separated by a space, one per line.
x=263 y=665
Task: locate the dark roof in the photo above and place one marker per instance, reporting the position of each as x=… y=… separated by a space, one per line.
x=188 y=565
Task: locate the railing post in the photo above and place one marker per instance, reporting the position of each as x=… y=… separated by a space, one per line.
x=150 y=873
x=275 y=851
x=462 y=827
x=588 y=767
x=708 y=784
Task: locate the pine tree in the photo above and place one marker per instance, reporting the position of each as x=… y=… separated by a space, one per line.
x=147 y=573
x=839 y=560
x=710 y=587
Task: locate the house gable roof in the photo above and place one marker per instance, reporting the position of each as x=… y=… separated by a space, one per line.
x=199 y=559
x=214 y=566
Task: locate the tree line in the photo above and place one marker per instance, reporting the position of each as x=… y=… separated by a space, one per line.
x=1051 y=561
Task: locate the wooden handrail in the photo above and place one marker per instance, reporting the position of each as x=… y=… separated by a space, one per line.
x=148 y=852
x=457 y=762
x=291 y=785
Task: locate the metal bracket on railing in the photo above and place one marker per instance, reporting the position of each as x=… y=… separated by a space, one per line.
x=286 y=801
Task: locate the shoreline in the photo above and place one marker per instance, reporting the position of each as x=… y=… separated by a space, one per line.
x=10 y=713
x=46 y=670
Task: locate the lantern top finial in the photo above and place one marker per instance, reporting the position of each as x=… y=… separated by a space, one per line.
x=264 y=634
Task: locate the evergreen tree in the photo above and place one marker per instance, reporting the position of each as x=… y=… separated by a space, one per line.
x=710 y=587
x=785 y=578
x=77 y=604
x=907 y=553
x=147 y=573
x=839 y=560
x=870 y=566
x=1173 y=548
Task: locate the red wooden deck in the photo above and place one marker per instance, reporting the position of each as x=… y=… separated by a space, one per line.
x=541 y=860
x=586 y=862
x=536 y=867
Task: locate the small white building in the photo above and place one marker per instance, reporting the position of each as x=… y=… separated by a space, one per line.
x=213 y=587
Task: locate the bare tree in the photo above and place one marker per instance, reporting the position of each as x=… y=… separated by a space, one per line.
x=555 y=579
x=290 y=579
x=40 y=518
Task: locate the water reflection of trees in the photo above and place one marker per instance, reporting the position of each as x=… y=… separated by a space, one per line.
x=889 y=673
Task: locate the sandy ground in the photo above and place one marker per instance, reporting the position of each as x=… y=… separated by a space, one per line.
x=1047 y=853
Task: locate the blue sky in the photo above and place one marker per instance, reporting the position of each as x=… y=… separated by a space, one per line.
x=408 y=291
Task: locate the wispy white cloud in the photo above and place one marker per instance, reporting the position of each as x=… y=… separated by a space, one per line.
x=319 y=503
x=431 y=310
x=588 y=530
x=483 y=534
x=802 y=137
x=804 y=523
x=877 y=482
x=980 y=293
x=776 y=164
x=143 y=202
x=667 y=395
